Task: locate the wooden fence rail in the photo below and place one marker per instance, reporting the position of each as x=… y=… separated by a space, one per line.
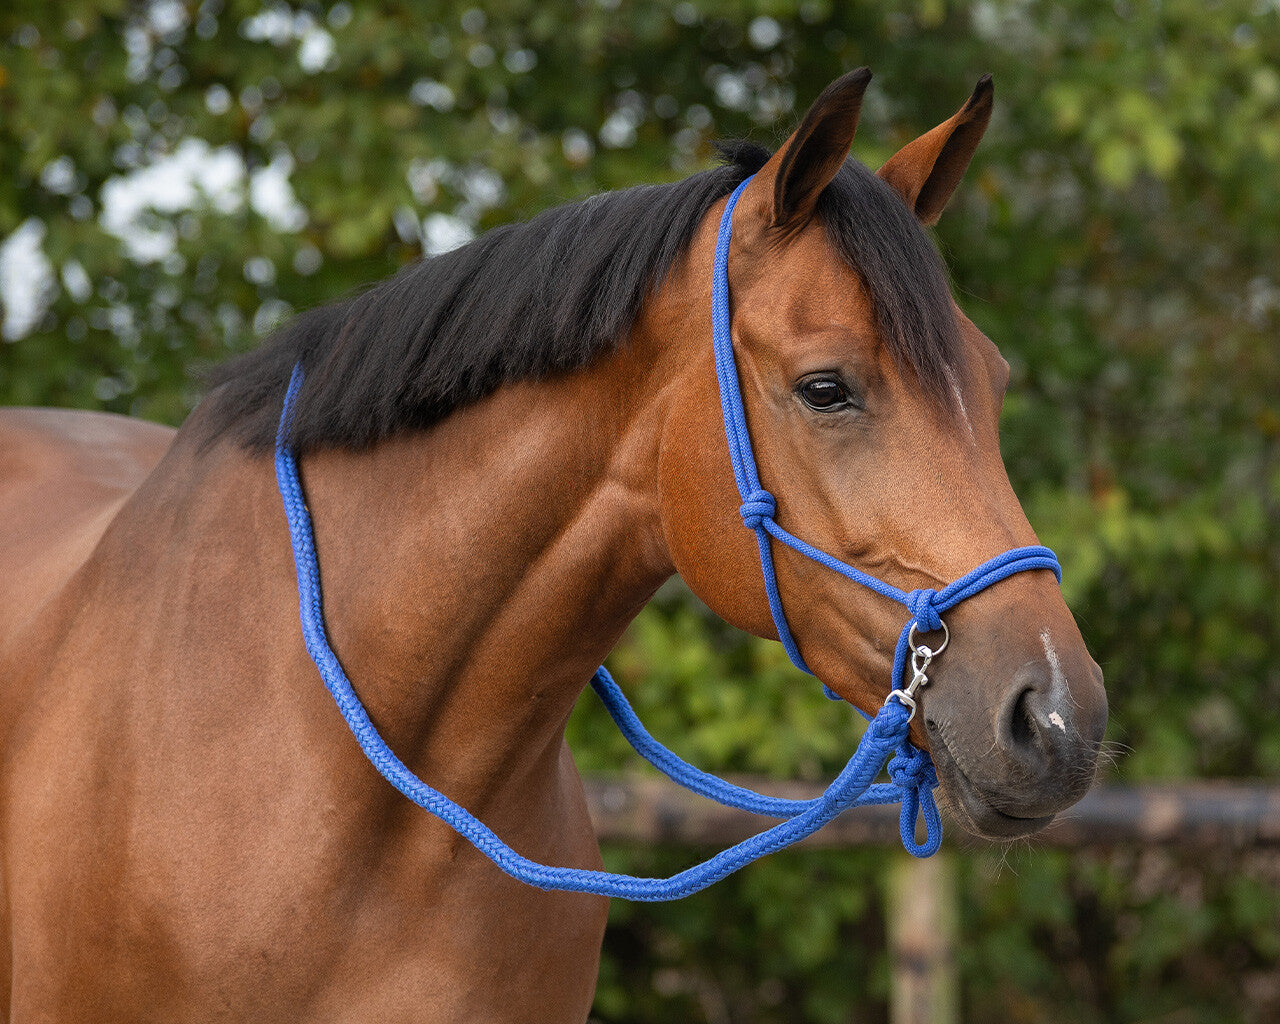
x=1197 y=816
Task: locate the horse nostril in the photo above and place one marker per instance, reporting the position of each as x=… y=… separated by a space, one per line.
x=1032 y=728
x=1022 y=724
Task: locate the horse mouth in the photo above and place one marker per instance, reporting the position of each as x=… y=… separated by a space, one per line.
x=971 y=808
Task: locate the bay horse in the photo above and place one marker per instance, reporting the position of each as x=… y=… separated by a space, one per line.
x=505 y=450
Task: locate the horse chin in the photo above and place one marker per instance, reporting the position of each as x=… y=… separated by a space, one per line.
x=971 y=809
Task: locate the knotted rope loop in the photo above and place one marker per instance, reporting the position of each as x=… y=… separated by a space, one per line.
x=920 y=604
x=912 y=768
x=758 y=506
x=913 y=772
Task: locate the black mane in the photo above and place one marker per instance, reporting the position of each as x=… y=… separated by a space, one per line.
x=548 y=296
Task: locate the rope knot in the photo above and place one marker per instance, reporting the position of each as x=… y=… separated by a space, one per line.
x=912 y=768
x=758 y=506
x=920 y=605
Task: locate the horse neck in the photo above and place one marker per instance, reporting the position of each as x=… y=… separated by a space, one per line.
x=475 y=574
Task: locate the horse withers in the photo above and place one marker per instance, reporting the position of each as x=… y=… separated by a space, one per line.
x=504 y=450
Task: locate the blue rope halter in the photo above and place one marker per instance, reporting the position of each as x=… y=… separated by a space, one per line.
x=759 y=506
x=910 y=769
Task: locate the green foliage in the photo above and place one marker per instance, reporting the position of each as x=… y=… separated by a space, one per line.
x=684 y=670
x=1127 y=935
x=1116 y=238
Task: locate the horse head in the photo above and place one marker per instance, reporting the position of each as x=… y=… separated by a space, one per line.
x=873 y=406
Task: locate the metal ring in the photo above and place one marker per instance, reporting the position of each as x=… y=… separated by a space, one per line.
x=905 y=699
x=946 y=639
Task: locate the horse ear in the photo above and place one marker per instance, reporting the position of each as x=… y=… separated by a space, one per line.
x=927 y=171
x=786 y=188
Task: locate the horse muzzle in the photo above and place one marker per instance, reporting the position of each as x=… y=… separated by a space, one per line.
x=1007 y=775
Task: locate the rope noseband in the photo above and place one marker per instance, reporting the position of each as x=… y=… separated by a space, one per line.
x=910 y=770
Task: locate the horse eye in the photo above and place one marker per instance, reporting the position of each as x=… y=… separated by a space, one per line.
x=824 y=395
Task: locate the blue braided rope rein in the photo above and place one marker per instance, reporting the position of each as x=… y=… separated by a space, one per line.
x=910 y=769
x=855 y=785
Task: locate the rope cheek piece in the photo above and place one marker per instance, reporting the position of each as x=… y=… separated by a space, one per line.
x=911 y=772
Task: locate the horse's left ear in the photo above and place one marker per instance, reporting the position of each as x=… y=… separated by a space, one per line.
x=927 y=171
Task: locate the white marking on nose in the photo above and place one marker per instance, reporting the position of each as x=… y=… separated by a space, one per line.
x=1051 y=656
x=955 y=390
x=1056 y=719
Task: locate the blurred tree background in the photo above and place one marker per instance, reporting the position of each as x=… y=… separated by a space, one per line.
x=180 y=176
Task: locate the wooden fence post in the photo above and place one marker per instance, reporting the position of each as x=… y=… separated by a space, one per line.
x=923 y=920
